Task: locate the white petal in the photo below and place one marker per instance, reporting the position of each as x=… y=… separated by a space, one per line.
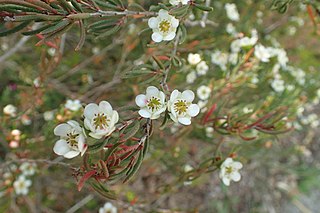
x=162 y=97
x=105 y=106
x=155 y=116
x=144 y=113
x=153 y=22
x=71 y=154
x=174 y=95
x=226 y=181
x=174 y=22
x=90 y=110
x=163 y=13
x=188 y=95
x=75 y=125
x=174 y=118
x=237 y=165
x=184 y=121
x=170 y=36
x=193 y=110
x=228 y=161
x=62 y=129
x=88 y=125
x=115 y=117
x=95 y=135
x=157 y=37
x=61 y=147
x=152 y=91
x=235 y=176
x=141 y=100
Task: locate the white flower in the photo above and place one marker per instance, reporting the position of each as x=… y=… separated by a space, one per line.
x=220 y=59
x=51 y=51
x=28 y=168
x=203 y=105
x=248 y=42
x=72 y=140
x=203 y=92
x=209 y=132
x=229 y=170
x=152 y=104
x=232 y=12
x=202 y=68
x=231 y=29
x=164 y=26
x=21 y=185
x=10 y=110
x=100 y=120
x=278 y=85
x=48 y=115
x=177 y=2
x=194 y=59
x=108 y=208
x=233 y=58
x=191 y=77
x=73 y=105
x=281 y=55
x=262 y=53
x=181 y=108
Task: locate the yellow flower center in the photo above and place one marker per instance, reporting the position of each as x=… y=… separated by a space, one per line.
x=154 y=103
x=181 y=106
x=71 y=140
x=101 y=121
x=229 y=170
x=164 y=26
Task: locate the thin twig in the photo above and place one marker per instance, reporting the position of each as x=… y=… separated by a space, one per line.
x=81 y=203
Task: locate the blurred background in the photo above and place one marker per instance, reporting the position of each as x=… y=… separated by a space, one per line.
x=49 y=84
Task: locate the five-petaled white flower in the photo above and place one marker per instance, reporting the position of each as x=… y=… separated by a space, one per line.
x=164 y=26
x=152 y=104
x=21 y=185
x=10 y=110
x=229 y=170
x=232 y=12
x=73 y=105
x=203 y=92
x=100 y=120
x=194 y=59
x=262 y=53
x=202 y=68
x=72 y=140
x=177 y=2
x=108 y=208
x=28 y=168
x=181 y=108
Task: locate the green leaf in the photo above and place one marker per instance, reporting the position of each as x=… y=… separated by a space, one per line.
x=98 y=146
x=36 y=31
x=15 y=29
x=149 y=80
x=109 y=32
x=183 y=34
x=136 y=73
x=103 y=191
x=179 y=11
x=134 y=168
x=132 y=131
x=82 y=36
x=203 y=7
x=159 y=63
x=59 y=26
x=76 y=6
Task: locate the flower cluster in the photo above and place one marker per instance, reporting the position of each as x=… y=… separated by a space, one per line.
x=164 y=26
x=18 y=178
x=229 y=171
x=100 y=120
x=198 y=67
x=179 y=106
